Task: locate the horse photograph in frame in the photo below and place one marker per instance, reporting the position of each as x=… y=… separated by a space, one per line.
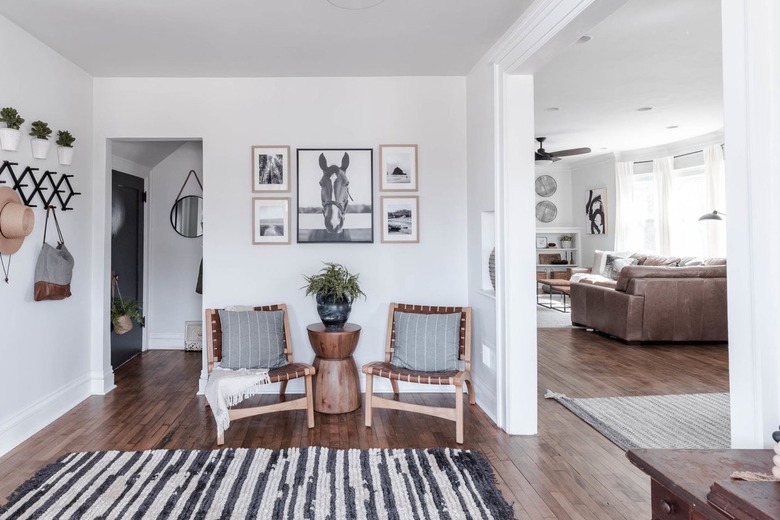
x=335 y=195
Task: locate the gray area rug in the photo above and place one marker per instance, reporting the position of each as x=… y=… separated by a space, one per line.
x=687 y=421
x=294 y=483
x=550 y=319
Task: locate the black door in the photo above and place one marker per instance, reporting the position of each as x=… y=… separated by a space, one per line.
x=127 y=253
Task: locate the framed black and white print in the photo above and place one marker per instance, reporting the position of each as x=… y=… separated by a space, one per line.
x=270 y=168
x=596 y=211
x=270 y=221
x=398 y=167
x=335 y=195
x=400 y=219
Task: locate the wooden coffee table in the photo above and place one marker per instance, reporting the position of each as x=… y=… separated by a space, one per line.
x=554 y=286
x=336 y=384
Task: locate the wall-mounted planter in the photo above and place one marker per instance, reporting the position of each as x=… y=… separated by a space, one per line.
x=40 y=147
x=65 y=155
x=9 y=139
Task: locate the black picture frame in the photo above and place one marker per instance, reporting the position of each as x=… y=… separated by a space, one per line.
x=318 y=220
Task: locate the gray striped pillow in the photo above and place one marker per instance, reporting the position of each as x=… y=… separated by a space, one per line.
x=252 y=339
x=427 y=342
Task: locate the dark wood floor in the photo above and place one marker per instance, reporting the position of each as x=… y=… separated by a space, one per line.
x=568 y=471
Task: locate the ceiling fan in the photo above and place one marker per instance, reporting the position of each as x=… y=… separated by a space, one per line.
x=542 y=155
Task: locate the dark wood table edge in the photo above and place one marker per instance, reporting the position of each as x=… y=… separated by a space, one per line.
x=701 y=504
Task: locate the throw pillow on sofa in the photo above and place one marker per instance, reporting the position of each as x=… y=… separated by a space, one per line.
x=610 y=271
x=619 y=264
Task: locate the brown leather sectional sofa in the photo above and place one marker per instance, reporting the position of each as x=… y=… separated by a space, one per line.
x=657 y=303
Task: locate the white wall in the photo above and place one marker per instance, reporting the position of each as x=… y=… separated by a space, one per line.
x=173 y=259
x=562 y=198
x=598 y=173
x=231 y=115
x=481 y=189
x=45 y=344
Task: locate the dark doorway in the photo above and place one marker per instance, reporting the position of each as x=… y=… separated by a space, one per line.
x=127 y=253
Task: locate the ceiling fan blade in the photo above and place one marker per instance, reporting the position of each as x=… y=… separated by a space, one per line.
x=573 y=151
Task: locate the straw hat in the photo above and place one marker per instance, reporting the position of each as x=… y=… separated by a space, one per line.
x=16 y=221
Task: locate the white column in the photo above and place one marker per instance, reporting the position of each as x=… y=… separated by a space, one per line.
x=516 y=232
x=751 y=59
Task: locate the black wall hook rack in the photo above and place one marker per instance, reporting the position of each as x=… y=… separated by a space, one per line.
x=60 y=188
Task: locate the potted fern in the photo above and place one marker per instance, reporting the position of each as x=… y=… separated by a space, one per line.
x=40 y=133
x=10 y=135
x=65 y=147
x=123 y=313
x=334 y=288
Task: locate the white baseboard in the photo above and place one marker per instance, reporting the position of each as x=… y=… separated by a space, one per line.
x=166 y=341
x=36 y=416
x=486 y=400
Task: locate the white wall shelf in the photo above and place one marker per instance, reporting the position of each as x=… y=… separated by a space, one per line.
x=553 y=235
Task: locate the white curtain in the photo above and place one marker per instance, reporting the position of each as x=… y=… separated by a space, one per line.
x=715 y=192
x=624 y=203
x=662 y=169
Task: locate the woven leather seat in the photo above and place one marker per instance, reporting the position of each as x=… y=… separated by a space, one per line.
x=395 y=373
x=281 y=375
x=390 y=371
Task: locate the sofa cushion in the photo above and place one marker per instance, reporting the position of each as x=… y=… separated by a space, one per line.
x=599 y=261
x=655 y=260
x=714 y=261
x=644 y=271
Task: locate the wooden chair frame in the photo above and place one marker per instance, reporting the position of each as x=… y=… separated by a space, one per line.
x=456 y=378
x=281 y=375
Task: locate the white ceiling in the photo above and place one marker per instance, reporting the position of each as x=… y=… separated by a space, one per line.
x=145 y=153
x=664 y=54
x=266 y=38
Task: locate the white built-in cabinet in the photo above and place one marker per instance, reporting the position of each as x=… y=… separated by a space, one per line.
x=552 y=235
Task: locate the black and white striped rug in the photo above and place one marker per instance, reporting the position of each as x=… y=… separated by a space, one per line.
x=295 y=483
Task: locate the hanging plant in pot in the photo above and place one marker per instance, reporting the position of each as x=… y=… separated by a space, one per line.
x=10 y=135
x=40 y=132
x=335 y=288
x=65 y=147
x=123 y=313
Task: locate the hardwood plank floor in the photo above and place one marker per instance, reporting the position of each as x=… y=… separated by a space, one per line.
x=568 y=471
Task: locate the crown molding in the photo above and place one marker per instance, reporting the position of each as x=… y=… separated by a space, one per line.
x=692 y=144
x=546 y=27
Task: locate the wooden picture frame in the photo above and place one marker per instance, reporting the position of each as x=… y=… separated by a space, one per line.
x=271 y=169
x=335 y=195
x=271 y=221
x=398 y=167
x=400 y=219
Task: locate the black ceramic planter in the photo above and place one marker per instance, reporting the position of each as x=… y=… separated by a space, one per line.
x=333 y=313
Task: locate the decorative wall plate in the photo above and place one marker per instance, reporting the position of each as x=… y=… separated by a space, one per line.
x=546 y=211
x=545 y=186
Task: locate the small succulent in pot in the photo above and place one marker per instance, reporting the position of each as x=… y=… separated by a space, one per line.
x=10 y=135
x=335 y=288
x=11 y=118
x=40 y=130
x=64 y=138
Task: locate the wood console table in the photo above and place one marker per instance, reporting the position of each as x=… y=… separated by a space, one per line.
x=336 y=384
x=695 y=484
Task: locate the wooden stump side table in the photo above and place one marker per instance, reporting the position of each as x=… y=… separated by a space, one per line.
x=336 y=384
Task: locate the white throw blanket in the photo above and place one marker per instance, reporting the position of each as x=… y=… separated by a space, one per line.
x=226 y=388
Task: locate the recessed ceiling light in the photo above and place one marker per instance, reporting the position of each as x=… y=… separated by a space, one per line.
x=355 y=4
x=551 y=109
x=643 y=109
x=672 y=127
x=584 y=39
